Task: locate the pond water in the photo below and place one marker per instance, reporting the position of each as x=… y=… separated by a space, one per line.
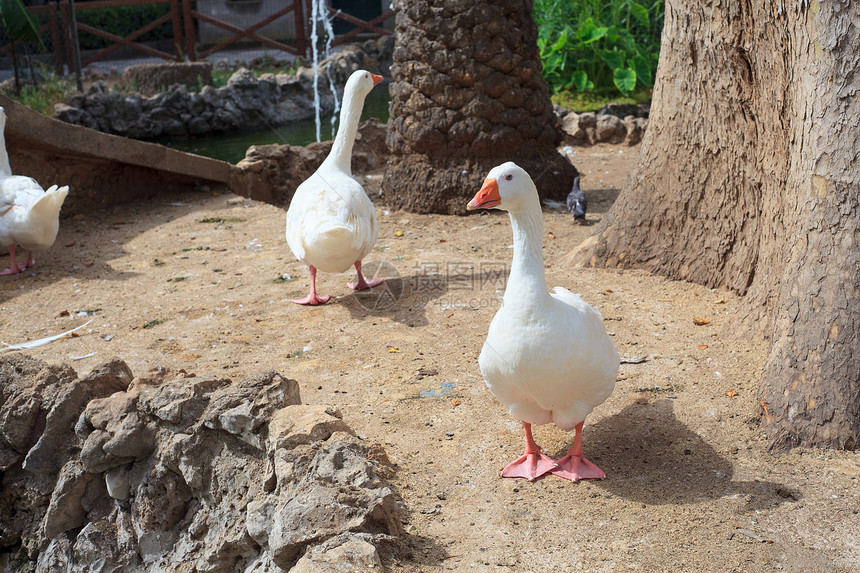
x=231 y=147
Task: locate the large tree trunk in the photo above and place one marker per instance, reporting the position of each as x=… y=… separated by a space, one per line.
x=749 y=179
x=467 y=95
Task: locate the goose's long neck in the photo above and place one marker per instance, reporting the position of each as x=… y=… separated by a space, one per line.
x=341 y=149
x=527 y=280
x=5 y=168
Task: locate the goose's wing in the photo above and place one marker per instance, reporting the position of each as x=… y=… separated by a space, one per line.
x=19 y=191
x=363 y=217
x=591 y=350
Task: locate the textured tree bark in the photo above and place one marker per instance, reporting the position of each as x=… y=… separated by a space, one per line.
x=467 y=95
x=749 y=179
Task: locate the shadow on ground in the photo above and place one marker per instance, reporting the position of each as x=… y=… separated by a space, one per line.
x=651 y=457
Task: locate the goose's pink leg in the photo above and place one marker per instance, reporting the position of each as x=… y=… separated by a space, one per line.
x=532 y=464
x=30 y=262
x=362 y=284
x=574 y=466
x=313 y=299
x=16 y=267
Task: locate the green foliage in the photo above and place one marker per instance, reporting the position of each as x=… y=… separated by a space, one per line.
x=593 y=100
x=51 y=90
x=18 y=23
x=591 y=45
x=122 y=22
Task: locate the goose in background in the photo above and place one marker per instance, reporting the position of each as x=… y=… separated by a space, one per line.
x=331 y=223
x=29 y=215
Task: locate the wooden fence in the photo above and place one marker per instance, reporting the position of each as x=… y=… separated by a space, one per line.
x=185 y=17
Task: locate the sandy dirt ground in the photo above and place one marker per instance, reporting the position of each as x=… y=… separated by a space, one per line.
x=202 y=282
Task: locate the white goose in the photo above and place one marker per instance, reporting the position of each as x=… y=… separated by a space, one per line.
x=547 y=357
x=331 y=223
x=29 y=215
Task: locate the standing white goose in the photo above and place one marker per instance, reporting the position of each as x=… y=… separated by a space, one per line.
x=29 y=215
x=331 y=223
x=547 y=357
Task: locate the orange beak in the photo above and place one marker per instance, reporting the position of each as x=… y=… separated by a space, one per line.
x=487 y=197
x=376 y=79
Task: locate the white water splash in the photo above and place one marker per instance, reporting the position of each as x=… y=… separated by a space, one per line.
x=329 y=38
x=319 y=17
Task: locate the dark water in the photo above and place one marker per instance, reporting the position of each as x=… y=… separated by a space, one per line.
x=231 y=147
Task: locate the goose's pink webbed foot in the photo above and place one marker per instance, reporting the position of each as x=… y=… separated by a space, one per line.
x=532 y=464
x=361 y=283
x=574 y=466
x=313 y=299
x=17 y=267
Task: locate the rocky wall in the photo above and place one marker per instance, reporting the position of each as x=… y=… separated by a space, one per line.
x=245 y=103
x=167 y=471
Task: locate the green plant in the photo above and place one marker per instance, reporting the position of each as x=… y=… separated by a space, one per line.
x=598 y=44
x=21 y=27
x=52 y=90
x=597 y=98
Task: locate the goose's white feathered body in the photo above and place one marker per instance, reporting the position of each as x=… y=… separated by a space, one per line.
x=549 y=359
x=331 y=223
x=29 y=215
x=547 y=356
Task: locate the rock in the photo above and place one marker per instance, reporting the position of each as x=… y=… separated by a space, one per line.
x=65 y=511
x=301 y=425
x=605 y=125
x=619 y=110
x=117 y=484
x=324 y=493
x=58 y=438
x=166 y=104
x=28 y=391
x=273 y=172
x=574 y=130
x=344 y=553
x=73 y=114
x=172 y=472
x=370 y=150
x=150 y=79
x=609 y=129
x=635 y=127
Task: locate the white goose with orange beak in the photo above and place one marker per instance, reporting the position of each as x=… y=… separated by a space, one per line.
x=547 y=356
x=331 y=223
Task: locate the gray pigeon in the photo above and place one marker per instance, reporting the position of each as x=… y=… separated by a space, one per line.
x=576 y=201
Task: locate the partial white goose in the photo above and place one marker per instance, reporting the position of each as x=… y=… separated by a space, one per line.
x=29 y=215
x=331 y=223
x=547 y=356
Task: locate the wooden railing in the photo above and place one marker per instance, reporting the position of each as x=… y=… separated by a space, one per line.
x=128 y=41
x=248 y=33
x=182 y=16
x=360 y=25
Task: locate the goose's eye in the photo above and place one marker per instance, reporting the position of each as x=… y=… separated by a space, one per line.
x=508 y=177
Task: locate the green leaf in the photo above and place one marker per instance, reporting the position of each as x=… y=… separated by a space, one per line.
x=580 y=80
x=19 y=23
x=613 y=59
x=642 y=67
x=625 y=80
x=593 y=34
x=640 y=14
